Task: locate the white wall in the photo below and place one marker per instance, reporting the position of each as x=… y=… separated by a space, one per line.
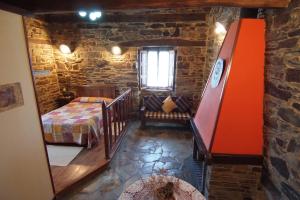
x=23 y=166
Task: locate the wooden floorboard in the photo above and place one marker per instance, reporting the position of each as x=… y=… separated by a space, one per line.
x=87 y=162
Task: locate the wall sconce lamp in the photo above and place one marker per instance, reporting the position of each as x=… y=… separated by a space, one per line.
x=92 y=15
x=65 y=49
x=116 y=50
x=82 y=13
x=95 y=15
x=220 y=29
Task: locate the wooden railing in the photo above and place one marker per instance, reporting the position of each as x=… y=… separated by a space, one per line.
x=115 y=121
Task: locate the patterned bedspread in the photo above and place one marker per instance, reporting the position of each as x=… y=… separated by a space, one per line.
x=76 y=122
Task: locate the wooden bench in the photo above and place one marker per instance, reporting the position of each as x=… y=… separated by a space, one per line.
x=160 y=116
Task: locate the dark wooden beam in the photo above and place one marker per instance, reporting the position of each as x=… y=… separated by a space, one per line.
x=162 y=42
x=154 y=17
x=236 y=159
x=137 y=4
x=119 y=18
x=14 y=9
x=59 y=5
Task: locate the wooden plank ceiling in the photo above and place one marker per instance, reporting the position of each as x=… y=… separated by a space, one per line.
x=67 y=5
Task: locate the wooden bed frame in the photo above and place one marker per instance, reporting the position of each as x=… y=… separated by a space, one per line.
x=96 y=91
x=115 y=115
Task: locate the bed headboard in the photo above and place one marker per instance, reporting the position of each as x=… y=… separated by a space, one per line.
x=96 y=91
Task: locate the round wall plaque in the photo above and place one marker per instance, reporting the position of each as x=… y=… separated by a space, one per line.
x=217 y=73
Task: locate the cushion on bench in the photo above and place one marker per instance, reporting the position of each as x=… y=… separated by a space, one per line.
x=153 y=103
x=183 y=104
x=171 y=115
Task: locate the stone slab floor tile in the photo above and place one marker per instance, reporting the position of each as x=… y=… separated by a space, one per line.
x=156 y=149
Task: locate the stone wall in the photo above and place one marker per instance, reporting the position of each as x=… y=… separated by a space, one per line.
x=282 y=107
x=43 y=64
x=190 y=31
x=224 y=15
x=238 y=182
x=282 y=89
x=92 y=62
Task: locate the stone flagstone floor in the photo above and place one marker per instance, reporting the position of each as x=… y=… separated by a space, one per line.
x=144 y=152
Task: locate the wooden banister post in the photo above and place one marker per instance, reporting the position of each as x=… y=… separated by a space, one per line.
x=105 y=129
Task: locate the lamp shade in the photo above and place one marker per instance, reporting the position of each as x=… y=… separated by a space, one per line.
x=220 y=29
x=65 y=49
x=116 y=50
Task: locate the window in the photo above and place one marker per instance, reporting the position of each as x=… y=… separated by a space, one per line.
x=157 y=68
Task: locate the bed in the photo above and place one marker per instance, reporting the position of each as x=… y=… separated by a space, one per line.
x=81 y=121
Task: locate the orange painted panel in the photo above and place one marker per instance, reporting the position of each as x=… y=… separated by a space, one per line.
x=240 y=124
x=207 y=113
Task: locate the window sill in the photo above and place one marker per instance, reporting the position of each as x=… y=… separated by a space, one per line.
x=156 y=90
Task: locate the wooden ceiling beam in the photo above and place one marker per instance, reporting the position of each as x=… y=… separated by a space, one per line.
x=119 y=17
x=64 y=5
x=14 y=9
x=133 y=4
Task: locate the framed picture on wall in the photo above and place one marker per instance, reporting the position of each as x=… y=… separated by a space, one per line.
x=10 y=96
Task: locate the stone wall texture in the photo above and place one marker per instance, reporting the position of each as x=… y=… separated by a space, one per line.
x=191 y=32
x=43 y=64
x=282 y=97
x=238 y=182
x=93 y=63
x=225 y=16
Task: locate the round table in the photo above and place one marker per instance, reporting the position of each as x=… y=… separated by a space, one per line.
x=144 y=189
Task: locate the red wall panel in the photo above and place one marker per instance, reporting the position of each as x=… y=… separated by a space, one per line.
x=207 y=113
x=240 y=125
x=229 y=118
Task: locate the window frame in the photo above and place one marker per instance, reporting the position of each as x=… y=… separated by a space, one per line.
x=157 y=48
